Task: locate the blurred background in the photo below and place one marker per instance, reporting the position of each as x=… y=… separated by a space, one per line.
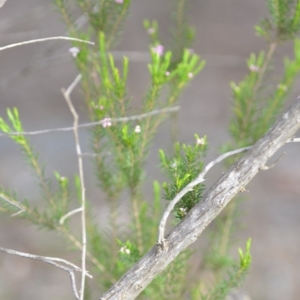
x=31 y=78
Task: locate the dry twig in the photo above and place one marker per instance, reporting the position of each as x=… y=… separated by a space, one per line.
x=57 y=262
x=67 y=94
x=2 y=3
x=97 y=123
x=44 y=40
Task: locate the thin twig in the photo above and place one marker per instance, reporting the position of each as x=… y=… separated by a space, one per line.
x=292 y=140
x=44 y=40
x=63 y=231
x=66 y=94
x=14 y=203
x=92 y=124
x=69 y=214
x=188 y=188
x=198 y=180
x=70 y=267
x=2 y=3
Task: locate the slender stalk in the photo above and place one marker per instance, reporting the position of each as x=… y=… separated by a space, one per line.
x=66 y=94
x=226 y=228
x=39 y=172
x=44 y=40
x=112 y=33
x=136 y=215
x=270 y=53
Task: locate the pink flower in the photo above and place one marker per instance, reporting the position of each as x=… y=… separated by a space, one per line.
x=119 y=1
x=167 y=73
x=191 y=75
x=106 y=122
x=74 y=51
x=159 y=49
x=151 y=30
x=254 y=68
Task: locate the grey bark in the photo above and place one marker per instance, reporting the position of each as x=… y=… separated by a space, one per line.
x=213 y=202
x=2 y=3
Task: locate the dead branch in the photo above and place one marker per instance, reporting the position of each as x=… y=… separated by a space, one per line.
x=213 y=202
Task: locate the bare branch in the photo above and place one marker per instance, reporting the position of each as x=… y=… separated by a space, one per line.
x=81 y=176
x=2 y=3
x=44 y=40
x=70 y=267
x=200 y=179
x=292 y=140
x=188 y=188
x=69 y=214
x=97 y=123
x=13 y=203
x=213 y=202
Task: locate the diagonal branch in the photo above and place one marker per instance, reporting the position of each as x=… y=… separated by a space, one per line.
x=201 y=178
x=213 y=202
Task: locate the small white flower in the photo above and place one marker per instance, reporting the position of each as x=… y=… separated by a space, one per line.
x=137 y=129
x=254 y=68
x=106 y=122
x=125 y=250
x=74 y=51
x=200 y=141
x=191 y=75
x=174 y=165
x=183 y=210
x=119 y=1
x=151 y=30
x=167 y=73
x=101 y=107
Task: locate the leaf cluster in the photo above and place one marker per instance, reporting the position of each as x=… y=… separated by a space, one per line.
x=235 y=275
x=254 y=112
x=284 y=21
x=102 y=16
x=182 y=168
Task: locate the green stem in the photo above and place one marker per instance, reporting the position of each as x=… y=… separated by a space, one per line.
x=136 y=215
x=270 y=53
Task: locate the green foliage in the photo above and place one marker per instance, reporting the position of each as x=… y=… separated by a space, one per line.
x=257 y=101
x=120 y=146
x=182 y=33
x=103 y=16
x=254 y=111
x=235 y=275
x=284 y=21
x=182 y=168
